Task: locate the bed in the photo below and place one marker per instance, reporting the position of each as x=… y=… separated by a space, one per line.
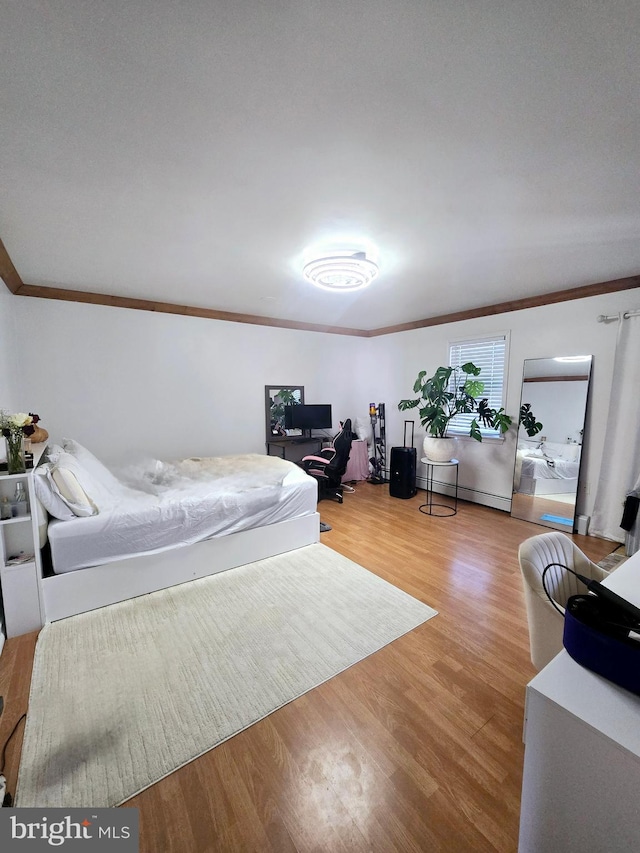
x=550 y=469
x=159 y=524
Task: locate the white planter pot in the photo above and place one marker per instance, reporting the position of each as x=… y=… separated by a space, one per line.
x=439 y=449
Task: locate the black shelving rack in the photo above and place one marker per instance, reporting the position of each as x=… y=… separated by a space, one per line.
x=379 y=459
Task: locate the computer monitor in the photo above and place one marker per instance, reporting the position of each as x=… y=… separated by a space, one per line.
x=304 y=416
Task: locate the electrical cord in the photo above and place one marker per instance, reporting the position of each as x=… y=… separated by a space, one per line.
x=6 y=800
x=544 y=585
x=625 y=610
x=7 y=741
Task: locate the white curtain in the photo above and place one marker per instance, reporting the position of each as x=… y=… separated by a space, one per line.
x=620 y=467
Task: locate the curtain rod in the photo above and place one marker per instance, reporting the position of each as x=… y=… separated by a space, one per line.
x=608 y=318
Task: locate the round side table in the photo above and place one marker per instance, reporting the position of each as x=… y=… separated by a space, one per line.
x=438 y=509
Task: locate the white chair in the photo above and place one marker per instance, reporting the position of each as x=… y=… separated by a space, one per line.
x=546 y=624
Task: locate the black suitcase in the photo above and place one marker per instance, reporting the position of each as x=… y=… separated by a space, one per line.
x=402 y=470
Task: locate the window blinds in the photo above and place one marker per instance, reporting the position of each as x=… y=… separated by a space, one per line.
x=489 y=354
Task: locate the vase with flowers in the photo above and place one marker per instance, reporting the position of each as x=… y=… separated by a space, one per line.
x=14 y=429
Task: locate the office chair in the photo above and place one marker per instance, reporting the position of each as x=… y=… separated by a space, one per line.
x=328 y=468
x=546 y=625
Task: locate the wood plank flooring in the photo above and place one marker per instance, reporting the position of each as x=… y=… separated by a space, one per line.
x=416 y=748
x=533 y=507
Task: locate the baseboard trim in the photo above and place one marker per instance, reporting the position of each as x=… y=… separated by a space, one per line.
x=465 y=494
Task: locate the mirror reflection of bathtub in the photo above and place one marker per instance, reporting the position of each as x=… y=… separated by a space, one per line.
x=547 y=468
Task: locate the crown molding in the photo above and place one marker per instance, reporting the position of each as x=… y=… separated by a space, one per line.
x=66 y=295
x=8 y=273
x=14 y=283
x=567 y=295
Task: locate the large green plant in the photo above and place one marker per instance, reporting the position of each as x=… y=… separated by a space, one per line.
x=284 y=397
x=454 y=391
x=528 y=420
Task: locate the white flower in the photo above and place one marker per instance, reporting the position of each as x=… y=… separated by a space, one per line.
x=19 y=420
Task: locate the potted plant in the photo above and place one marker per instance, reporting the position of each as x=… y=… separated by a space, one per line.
x=449 y=392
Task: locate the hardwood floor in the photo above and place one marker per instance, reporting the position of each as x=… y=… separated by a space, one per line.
x=533 y=507
x=416 y=748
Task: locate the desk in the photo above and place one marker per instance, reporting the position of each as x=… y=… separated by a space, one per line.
x=582 y=753
x=431 y=508
x=358 y=464
x=293 y=449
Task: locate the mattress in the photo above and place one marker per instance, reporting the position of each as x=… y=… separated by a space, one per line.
x=187 y=511
x=549 y=469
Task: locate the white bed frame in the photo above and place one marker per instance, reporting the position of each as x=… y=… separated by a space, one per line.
x=86 y=589
x=547 y=486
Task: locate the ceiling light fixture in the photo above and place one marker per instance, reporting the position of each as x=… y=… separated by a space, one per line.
x=341 y=271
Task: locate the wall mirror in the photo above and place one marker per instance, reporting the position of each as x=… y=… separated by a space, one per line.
x=276 y=398
x=547 y=469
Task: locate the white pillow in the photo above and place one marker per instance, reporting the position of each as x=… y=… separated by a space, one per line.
x=48 y=495
x=75 y=485
x=90 y=463
x=567 y=452
x=572 y=453
x=364 y=430
x=53 y=451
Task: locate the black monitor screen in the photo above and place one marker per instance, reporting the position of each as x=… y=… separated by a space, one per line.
x=308 y=417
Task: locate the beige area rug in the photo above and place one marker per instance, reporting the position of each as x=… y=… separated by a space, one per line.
x=125 y=695
x=613 y=561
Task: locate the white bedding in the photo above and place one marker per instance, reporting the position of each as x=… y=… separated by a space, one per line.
x=183 y=503
x=550 y=461
x=549 y=469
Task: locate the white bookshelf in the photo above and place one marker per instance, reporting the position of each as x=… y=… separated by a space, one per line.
x=20 y=582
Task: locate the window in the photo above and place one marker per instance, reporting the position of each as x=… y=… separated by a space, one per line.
x=489 y=354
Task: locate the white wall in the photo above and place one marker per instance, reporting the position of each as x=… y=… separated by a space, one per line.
x=8 y=375
x=12 y=346
x=132 y=382
x=568 y=328
x=129 y=383
x=559 y=406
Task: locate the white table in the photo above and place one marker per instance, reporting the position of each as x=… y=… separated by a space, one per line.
x=439 y=509
x=581 y=781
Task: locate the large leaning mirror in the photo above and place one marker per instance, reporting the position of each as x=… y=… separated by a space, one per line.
x=276 y=398
x=547 y=470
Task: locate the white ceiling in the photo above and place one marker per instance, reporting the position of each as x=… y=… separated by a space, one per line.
x=190 y=151
x=535 y=368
